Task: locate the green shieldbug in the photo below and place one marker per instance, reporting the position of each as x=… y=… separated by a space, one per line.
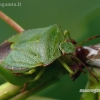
x=36 y=47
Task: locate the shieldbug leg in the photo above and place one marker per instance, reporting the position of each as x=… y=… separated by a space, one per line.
x=24 y=87
x=30 y=71
x=71 y=72
x=35 y=79
x=38 y=75
x=11 y=22
x=87 y=68
x=66 y=32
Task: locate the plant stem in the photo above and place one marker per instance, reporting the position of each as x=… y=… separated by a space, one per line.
x=93 y=85
x=52 y=74
x=34 y=90
x=11 y=22
x=8 y=90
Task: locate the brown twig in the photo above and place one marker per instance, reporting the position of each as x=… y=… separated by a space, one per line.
x=11 y=22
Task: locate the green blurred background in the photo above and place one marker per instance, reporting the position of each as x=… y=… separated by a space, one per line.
x=80 y=17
